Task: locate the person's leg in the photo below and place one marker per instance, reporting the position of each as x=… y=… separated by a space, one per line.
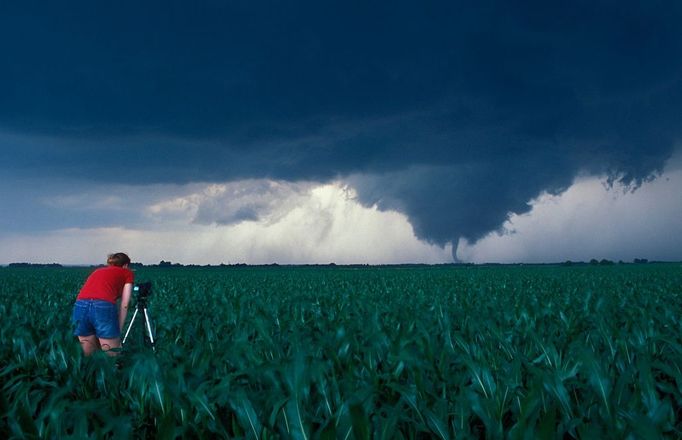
x=90 y=344
x=107 y=328
x=83 y=328
x=110 y=345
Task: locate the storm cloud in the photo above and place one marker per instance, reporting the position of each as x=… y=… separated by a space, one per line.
x=455 y=114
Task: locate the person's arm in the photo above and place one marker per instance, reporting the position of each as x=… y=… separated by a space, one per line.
x=125 y=300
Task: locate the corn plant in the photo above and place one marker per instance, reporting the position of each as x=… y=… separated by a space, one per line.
x=355 y=353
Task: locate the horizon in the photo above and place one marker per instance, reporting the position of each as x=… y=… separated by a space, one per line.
x=170 y=265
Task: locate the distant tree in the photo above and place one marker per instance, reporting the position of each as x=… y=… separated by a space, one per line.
x=34 y=265
x=594 y=261
x=641 y=261
x=605 y=262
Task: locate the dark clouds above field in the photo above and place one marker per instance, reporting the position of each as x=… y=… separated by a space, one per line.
x=453 y=114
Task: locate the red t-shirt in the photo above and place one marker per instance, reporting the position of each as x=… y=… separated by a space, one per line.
x=106 y=283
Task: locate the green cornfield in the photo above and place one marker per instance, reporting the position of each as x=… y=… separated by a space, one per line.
x=518 y=352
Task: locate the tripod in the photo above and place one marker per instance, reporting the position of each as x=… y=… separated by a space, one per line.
x=141 y=307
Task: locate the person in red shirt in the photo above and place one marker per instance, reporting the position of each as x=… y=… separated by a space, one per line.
x=97 y=316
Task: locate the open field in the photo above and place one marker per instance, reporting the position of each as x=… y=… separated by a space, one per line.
x=336 y=352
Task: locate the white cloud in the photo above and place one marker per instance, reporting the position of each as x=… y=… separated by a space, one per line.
x=234 y=202
x=292 y=223
x=590 y=221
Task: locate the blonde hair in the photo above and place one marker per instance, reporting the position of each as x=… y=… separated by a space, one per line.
x=118 y=259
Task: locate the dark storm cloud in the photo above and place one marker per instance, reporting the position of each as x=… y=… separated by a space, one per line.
x=455 y=114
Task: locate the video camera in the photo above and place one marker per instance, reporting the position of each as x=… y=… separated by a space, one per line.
x=143 y=290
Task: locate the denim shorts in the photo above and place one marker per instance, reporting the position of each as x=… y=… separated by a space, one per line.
x=96 y=317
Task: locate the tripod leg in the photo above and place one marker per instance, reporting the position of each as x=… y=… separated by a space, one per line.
x=129 y=327
x=149 y=328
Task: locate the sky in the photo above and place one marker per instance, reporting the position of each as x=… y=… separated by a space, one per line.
x=348 y=132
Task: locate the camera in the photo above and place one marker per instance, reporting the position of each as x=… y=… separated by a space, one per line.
x=143 y=291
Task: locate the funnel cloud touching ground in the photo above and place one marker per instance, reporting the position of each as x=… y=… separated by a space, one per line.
x=589 y=221
x=455 y=115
